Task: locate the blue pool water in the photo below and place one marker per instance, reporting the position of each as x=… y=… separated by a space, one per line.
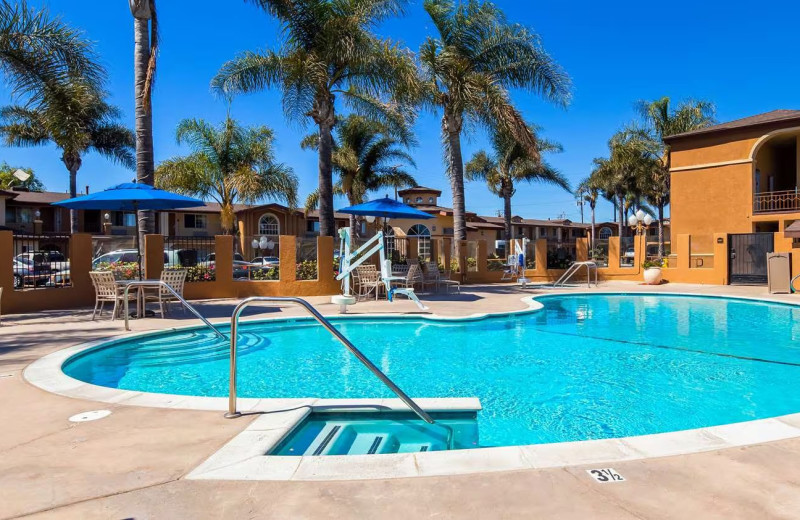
x=584 y=367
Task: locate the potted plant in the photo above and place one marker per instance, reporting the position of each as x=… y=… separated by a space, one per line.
x=652 y=271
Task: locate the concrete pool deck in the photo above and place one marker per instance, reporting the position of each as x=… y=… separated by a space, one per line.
x=134 y=462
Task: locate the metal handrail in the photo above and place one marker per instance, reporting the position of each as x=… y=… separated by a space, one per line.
x=575 y=269
x=165 y=285
x=232 y=411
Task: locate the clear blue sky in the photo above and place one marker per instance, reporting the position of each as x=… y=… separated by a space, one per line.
x=740 y=55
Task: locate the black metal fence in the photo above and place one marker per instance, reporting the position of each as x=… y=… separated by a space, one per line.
x=41 y=262
x=196 y=255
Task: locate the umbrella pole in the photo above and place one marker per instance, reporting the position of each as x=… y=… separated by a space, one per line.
x=136 y=241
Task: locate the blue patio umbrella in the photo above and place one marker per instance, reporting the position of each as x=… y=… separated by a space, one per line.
x=386 y=208
x=131 y=196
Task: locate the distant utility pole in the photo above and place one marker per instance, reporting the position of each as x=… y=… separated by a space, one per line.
x=580 y=205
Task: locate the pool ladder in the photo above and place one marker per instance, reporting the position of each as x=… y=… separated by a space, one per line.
x=232 y=409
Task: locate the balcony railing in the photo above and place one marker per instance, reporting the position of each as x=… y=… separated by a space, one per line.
x=776 y=201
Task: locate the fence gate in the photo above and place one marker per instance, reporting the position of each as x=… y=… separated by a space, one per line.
x=748 y=257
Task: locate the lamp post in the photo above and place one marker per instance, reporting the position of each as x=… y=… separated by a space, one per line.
x=640 y=221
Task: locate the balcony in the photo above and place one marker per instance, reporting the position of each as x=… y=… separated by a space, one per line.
x=777 y=201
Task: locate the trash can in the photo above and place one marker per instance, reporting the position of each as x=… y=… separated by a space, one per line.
x=779 y=273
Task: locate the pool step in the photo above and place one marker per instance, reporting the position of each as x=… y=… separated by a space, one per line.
x=342 y=439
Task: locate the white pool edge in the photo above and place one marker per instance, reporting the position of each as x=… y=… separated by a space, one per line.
x=243 y=458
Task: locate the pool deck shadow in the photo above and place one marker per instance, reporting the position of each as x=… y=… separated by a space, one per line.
x=132 y=463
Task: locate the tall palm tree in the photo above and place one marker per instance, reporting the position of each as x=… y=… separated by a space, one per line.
x=75 y=118
x=467 y=72
x=367 y=157
x=326 y=49
x=37 y=49
x=511 y=165
x=145 y=30
x=589 y=192
x=660 y=121
x=229 y=164
x=620 y=175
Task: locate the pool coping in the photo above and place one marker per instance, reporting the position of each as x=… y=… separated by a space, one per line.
x=244 y=457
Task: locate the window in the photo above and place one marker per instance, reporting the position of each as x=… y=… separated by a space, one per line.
x=423 y=236
x=408 y=201
x=430 y=200
x=195 y=221
x=312 y=226
x=118 y=218
x=419 y=200
x=605 y=233
x=19 y=215
x=268 y=225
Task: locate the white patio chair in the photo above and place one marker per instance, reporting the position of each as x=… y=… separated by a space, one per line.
x=107 y=290
x=175 y=278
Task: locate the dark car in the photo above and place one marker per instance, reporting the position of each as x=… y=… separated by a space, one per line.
x=30 y=274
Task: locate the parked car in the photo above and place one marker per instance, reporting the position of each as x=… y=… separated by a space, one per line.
x=267 y=261
x=120 y=255
x=30 y=274
x=630 y=253
x=241 y=267
x=172 y=257
x=52 y=260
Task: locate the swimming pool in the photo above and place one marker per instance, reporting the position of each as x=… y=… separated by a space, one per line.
x=583 y=367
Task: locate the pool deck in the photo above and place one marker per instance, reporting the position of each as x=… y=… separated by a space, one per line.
x=133 y=463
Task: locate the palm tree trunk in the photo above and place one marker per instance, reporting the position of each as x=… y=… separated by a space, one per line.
x=325 y=117
x=592 y=206
x=73 y=192
x=451 y=125
x=507 y=214
x=621 y=209
x=144 y=120
x=353 y=227
x=660 y=230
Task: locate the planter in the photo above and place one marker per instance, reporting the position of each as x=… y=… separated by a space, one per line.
x=652 y=276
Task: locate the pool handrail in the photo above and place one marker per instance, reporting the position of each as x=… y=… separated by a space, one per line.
x=574 y=269
x=165 y=285
x=232 y=409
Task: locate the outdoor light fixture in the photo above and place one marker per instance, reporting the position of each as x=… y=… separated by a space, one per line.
x=370 y=219
x=639 y=221
x=37 y=214
x=264 y=243
x=107 y=216
x=255 y=243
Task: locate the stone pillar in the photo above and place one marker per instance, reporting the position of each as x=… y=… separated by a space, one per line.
x=540 y=253
x=482 y=256
x=153 y=256
x=80 y=260
x=721 y=258
x=582 y=249
x=223 y=258
x=288 y=258
x=325 y=258
x=613 y=252
x=7 y=261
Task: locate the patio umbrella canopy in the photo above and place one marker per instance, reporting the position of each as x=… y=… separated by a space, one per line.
x=131 y=196
x=386 y=208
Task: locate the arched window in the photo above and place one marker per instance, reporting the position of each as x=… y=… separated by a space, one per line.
x=423 y=236
x=268 y=225
x=430 y=200
x=605 y=233
x=419 y=200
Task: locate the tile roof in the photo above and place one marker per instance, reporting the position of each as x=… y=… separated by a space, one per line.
x=774 y=116
x=419 y=189
x=39 y=197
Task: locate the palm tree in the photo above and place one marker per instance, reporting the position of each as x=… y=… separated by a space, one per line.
x=75 y=118
x=620 y=175
x=659 y=122
x=467 y=72
x=589 y=192
x=229 y=164
x=36 y=49
x=367 y=157
x=511 y=165
x=145 y=29
x=327 y=49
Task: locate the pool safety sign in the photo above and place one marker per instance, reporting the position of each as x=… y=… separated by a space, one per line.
x=605 y=475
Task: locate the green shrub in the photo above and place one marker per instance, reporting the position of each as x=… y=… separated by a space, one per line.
x=273 y=273
x=306 y=270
